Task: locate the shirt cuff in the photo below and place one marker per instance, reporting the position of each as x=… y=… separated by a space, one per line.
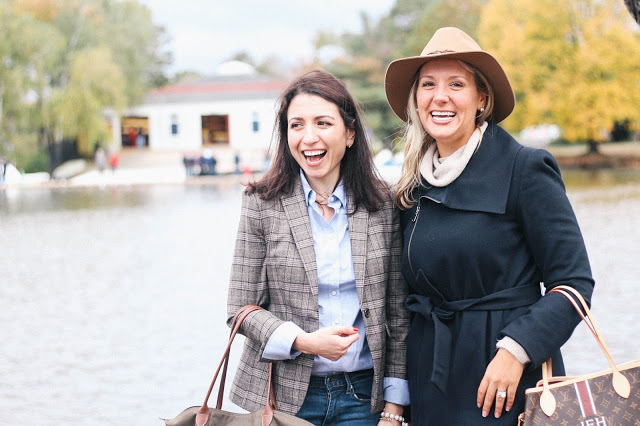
x=279 y=345
x=514 y=348
x=396 y=390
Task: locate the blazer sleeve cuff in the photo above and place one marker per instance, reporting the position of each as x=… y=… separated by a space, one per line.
x=396 y=390
x=279 y=345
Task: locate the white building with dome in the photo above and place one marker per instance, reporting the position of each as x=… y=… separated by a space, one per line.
x=230 y=113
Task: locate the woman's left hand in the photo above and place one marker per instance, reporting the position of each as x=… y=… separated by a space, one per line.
x=502 y=375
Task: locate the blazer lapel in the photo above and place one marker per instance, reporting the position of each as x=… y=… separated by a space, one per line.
x=295 y=209
x=358 y=224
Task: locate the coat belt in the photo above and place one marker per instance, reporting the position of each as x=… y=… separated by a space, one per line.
x=509 y=298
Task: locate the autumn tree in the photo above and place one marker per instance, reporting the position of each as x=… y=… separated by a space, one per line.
x=560 y=59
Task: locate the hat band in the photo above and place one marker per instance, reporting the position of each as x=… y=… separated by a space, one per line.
x=437 y=52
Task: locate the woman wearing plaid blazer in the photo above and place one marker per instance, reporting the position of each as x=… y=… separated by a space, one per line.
x=319 y=248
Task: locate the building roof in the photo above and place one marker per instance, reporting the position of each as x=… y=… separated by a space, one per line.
x=217 y=88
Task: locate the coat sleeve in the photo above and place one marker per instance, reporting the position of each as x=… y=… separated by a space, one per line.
x=554 y=238
x=248 y=284
x=398 y=316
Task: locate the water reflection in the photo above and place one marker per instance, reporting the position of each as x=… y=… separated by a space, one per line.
x=113 y=300
x=586 y=179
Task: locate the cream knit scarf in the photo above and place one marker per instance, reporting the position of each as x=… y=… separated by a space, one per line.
x=442 y=171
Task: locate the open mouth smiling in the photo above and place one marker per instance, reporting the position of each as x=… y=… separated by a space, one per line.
x=442 y=116
x=314 y=156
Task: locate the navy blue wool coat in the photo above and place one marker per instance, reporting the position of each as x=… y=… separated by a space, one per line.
x=475 y=255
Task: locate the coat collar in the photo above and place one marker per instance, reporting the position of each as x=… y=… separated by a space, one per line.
x=484 y=184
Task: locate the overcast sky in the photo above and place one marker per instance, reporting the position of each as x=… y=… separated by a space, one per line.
x=206 y=32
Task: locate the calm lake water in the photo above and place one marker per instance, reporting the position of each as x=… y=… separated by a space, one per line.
x=113 y=300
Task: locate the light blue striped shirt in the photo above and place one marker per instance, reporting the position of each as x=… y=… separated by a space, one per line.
x=337 y=296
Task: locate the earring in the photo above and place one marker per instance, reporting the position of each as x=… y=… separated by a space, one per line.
x=349 y=146
x=481 y=109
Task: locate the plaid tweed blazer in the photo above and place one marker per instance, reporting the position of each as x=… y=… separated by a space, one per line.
x=274 y=266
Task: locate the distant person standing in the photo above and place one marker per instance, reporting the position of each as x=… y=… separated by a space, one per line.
x=100 y=159
x=113 y=160
x=3 y=168
x=236 y=160
x=132 y=136
x=141 y=140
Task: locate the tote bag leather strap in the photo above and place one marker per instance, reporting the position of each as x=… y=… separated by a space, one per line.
x=620 y=383
x=203 y=413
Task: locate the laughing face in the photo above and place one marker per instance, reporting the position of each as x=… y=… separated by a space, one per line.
x=318 y=139
x=448 y=102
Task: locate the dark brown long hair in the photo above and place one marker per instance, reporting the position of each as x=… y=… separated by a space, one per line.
x=361 y=179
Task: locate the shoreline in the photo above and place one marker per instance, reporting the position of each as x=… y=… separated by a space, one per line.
x=146 y=171
x=610 y=156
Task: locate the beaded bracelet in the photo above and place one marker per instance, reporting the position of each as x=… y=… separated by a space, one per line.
x=388 y=416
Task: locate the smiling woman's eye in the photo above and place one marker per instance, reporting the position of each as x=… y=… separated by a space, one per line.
x=457 y=84
x=294 y=125
x=427 y=84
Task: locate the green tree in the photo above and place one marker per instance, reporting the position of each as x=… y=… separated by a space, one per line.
x=50 y=88
x=94 y=81
x=14 y=76
x=361 y=63
x=463 y=14
x=138 y=46
x=404 y=31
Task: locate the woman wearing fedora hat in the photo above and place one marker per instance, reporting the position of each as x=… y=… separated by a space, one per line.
x=485 y=222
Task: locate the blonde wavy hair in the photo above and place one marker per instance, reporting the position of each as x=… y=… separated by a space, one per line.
x=417 y=140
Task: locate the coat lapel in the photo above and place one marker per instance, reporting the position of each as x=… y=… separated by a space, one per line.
x=484 y=184
x=358 y=224
x=295 y=209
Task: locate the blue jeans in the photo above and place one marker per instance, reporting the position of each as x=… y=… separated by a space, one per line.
x=341 y=399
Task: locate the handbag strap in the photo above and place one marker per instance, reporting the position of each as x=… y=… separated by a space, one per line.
x=236 y=321
x=620 y=382
x=202 y=416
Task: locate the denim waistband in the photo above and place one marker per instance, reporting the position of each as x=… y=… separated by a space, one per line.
x=349 y=376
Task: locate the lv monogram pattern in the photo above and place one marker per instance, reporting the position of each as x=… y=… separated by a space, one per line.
x=590 y=402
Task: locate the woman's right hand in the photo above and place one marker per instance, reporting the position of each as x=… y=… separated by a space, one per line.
x=329 y=342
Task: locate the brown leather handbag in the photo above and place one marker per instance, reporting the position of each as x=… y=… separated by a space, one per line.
x=610 y=397
x=203 y=416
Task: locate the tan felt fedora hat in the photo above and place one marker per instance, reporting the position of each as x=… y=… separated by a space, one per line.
x=450 y=43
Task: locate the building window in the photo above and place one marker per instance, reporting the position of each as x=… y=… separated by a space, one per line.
x=174 y=124
x=256 y=122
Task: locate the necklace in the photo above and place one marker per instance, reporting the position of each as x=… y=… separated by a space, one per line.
x=322 y=198
x=327 y=212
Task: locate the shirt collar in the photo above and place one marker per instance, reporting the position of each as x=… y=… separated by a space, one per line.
x=310 y=194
